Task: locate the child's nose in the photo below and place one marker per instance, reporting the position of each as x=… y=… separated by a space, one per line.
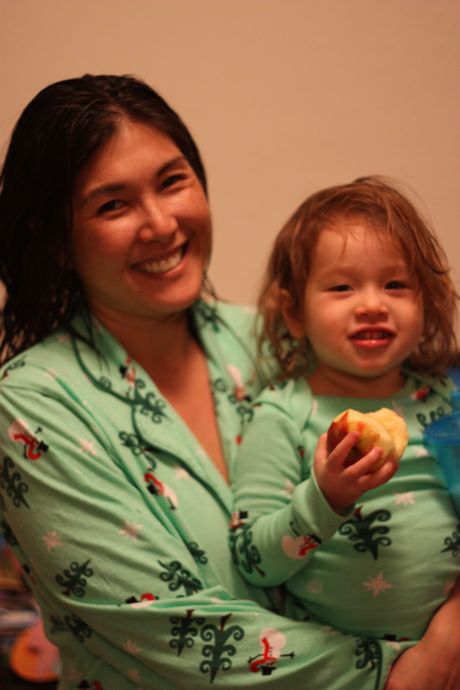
x=371 y=303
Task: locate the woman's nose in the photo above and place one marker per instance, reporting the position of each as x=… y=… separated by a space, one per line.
x=158 y=223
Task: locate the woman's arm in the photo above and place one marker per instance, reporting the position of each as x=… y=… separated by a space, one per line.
x=123 y=595
x=433 y=663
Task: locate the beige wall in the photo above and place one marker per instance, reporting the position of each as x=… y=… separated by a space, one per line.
x=283 y=97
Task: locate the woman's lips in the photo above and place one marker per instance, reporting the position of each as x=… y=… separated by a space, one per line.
x=163 y=265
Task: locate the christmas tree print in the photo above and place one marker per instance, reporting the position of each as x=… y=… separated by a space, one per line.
x=10 y=479
x=243 y=407
x=133 y=442
x=184 y=631
x=74 y=578
x=147 y=403
x=179 y=577
x=79 y=629
x=198 y=554
x=244 y=552
x=453 y=543
x=218 y=654
x=208 y=313
x=8 y=532
x=369 y=537
x=371 y=654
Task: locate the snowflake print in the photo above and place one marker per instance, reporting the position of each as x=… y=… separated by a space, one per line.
x=377 y=585
x=134 y=675
x=130 y=529
x=200 y=453
x=181 y=473
x=315 y=586
x=405 y=499
x=288 y=488
x=132 y=648
x=52 y=540
x=87 y=446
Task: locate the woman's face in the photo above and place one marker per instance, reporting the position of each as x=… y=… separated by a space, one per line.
x=141 y=234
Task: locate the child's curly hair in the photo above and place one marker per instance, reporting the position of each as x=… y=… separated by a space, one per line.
x=374 y=201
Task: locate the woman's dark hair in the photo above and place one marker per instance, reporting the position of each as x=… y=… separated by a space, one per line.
x=54 y=139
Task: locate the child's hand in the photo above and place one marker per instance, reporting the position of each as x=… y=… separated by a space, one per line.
x=343 y=486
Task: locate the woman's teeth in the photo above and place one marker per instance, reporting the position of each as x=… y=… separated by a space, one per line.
x=162 y=265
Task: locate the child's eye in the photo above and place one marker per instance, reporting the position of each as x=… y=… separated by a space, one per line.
x=340 y=288
x=396 y=285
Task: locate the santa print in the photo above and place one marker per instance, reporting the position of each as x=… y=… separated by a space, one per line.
x=272 y=642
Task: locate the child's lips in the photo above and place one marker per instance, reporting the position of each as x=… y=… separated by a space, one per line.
x=372 y=336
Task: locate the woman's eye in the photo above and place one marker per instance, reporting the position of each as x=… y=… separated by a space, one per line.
x=171 y=180
x=109 y=206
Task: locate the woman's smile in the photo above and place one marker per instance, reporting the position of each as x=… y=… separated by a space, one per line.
x=161 y=266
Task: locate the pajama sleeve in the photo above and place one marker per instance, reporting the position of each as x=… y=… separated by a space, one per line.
x=116 y=581
x=280 y=514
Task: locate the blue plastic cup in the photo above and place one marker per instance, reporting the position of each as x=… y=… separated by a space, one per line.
x=443 y=437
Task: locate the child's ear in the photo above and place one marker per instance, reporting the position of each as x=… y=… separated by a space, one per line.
x=293 y=318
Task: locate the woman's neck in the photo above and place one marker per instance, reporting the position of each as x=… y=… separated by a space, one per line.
x=155 y=344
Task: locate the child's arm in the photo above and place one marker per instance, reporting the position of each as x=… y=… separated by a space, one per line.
x=280 y=518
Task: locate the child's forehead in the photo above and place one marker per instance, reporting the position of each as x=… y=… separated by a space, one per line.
x=339 y=231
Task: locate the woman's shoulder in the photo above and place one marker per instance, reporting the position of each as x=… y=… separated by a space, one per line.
x=225 y=315
x=41 y=356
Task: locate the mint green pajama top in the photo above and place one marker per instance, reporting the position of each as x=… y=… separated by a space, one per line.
x=382 y=569
x=120 y=522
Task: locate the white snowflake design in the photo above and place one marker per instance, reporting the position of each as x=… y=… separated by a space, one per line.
x=405 y=499
x=134 y=675
x=288 y=488
x=377 y=585
x=130 y=529
x=132 y=648
x=52 y=540
x=87 y=446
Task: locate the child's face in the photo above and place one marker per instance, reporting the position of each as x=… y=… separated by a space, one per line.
x=363 y=313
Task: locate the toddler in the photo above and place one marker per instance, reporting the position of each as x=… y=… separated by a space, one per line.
x=358 y=307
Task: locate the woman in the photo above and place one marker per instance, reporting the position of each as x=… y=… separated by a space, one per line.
x=120 y=408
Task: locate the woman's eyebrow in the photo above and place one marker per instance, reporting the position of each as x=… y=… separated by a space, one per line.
x=117 y=187
x=101 y=191
x=178 y=160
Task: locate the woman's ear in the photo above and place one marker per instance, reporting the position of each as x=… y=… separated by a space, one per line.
x=292 y=315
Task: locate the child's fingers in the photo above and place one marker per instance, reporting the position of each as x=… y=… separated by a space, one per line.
x=374 y=479
x=364 y=465
x=340 y=453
